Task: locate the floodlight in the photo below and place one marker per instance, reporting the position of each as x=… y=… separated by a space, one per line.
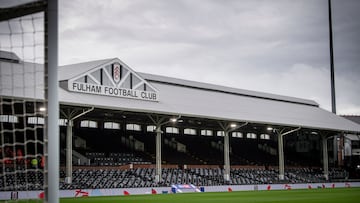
x=42 y=109
x=233 y=125
x=270 y=128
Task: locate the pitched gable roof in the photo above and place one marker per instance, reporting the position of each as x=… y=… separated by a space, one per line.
x=72 y=70
x=102 y=72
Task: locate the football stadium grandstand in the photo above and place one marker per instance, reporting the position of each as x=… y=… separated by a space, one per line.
x=123 y=129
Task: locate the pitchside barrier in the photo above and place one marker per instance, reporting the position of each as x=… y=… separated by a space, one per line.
x=160 y=190
x=180 y=188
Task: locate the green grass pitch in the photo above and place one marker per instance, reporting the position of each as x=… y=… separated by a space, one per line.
x=338 y=195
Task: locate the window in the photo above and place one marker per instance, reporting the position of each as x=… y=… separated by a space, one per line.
x=220 y=133
x=206 y=132
x=8 y=119
x=4 y=118
x=13 y=119
x=251 y=135
x=237 y=134
x=88 y=124
x=189 y=131
x=111 y=125
x=150 y=128
x=62 y=122
x=265 y=137
x=36 y=120
x=172 y=130
x=134 y=127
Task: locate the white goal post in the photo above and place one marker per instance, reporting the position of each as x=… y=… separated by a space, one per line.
x=29 y=107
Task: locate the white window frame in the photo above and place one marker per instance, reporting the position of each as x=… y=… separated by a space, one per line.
x=206 y=132
x=133 y=127
x=62 y=122
x=36 y=120
x=189 y=131
x=88 y=124
x=251 y=136
x=150 y=128
x=172 y=130
x=9 y=119
x=111 y=125
x=237 y=134
x=265 y=136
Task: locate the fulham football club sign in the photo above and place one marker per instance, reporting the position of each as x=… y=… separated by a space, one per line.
x=114 y=79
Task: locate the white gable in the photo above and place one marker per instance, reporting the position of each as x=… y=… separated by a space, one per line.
x=113 y=78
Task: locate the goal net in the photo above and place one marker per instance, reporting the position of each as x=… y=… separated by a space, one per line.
x=24 y=101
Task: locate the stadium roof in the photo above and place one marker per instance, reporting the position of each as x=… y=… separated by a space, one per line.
x=354 y=118
x=188 y=98
x=195 y=99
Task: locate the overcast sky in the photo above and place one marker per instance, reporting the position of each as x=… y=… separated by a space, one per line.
x=274 y=46
x=278 y=46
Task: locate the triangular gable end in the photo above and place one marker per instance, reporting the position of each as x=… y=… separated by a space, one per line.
x=114 y=78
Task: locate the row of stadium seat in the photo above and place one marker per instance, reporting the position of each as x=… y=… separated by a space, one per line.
x=32 y=179
x=144 y=177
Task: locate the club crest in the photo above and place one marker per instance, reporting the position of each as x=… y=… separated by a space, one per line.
x=116 y=72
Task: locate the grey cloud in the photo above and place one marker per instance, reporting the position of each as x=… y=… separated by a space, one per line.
x=219 y=41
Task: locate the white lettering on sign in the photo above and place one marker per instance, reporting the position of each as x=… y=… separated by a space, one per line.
x=112 y=91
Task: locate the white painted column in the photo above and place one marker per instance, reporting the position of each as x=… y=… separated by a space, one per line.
x=69 y=134
x=281 y=135
x=226 y=156
x=281 y=157
x=325 y=158
x=158 y=154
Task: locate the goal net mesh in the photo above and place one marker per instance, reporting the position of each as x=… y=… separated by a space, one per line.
x=22 y=101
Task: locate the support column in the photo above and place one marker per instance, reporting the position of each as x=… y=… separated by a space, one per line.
x=226 y=156
x=281 y=157
x=335 y=151
x=281 y=135
x=70 y=115
x=228 y=127
x=325 y=158
x=51 y=149
x=341 y=151
x=69 y=133
x=160 y=121
x=158 y=154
